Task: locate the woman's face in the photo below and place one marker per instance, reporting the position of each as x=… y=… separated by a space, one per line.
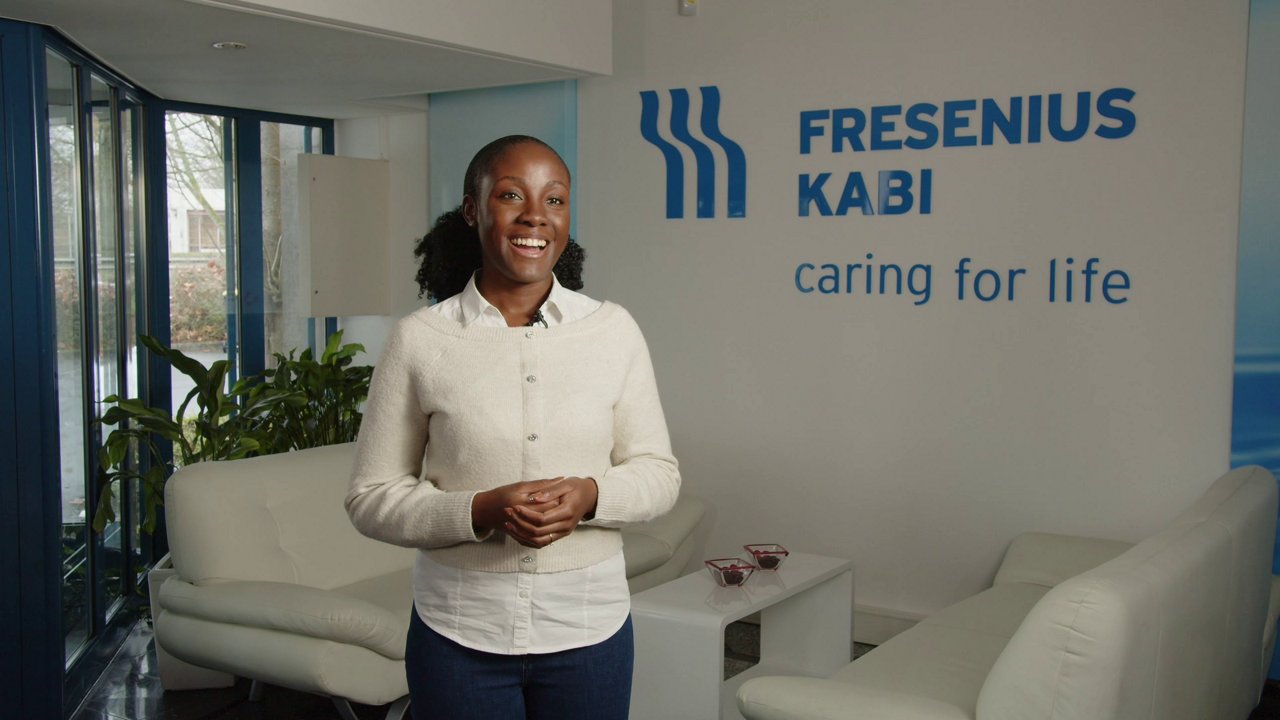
x=521 y=213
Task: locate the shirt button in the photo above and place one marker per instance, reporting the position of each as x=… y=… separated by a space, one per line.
x=532 y=437
x=524 y=594
x=528 y=333
x=526 y=559
x=532 y=378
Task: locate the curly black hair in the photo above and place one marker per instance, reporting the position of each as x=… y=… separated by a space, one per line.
x=450 y=252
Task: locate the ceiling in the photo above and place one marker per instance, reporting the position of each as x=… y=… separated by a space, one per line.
x=166 y=47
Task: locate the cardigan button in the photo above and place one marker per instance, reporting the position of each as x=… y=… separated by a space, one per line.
x=526 y=559
x=531 y=378
x=532 y=437
x=528 y=333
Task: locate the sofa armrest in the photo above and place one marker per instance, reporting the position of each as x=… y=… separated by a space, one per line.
x=295 y=609
x=1045 y=559
x=803 y=698
x=1269 y=629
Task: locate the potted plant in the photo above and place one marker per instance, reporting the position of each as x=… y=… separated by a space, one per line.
x=300 y=403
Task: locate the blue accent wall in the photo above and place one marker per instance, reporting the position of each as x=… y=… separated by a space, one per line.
x=1255 y=432
x=464 y=121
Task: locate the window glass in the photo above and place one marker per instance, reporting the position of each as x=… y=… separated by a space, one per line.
x=199 y=232
x=130 y=156
x=111 y=294
x=68 y=282
x=284 y=292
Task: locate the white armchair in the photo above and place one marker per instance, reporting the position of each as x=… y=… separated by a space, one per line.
x=274 y=584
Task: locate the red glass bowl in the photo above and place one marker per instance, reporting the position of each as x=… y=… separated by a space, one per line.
x=768 y=556
x=730 y=572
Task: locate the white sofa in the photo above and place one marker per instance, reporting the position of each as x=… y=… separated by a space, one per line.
x=1177 y=627
x=273 y=583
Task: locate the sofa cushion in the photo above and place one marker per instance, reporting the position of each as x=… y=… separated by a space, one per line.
x=946 y=657
x=393 y=591
x=275 y=518
x=300 y=662
x=1045 y=559
x=297 y=609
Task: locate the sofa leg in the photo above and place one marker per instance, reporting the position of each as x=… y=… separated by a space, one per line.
x=395 y=712
x=398 y=709
x=257 y=690
x=344 y=708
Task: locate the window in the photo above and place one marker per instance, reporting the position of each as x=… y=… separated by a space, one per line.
x=62 y=90
x=284 y=297
x=232 y=289
x=205 y=231
x=126 y=215
x=201 y=294
x=232 y=185
x=95 y=201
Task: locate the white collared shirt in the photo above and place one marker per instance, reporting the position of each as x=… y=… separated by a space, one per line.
x=469 y=307
x=521 y=613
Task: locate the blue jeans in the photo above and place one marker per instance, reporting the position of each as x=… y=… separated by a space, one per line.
x=450 y=682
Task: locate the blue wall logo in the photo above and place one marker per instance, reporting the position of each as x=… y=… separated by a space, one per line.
x=705 y=173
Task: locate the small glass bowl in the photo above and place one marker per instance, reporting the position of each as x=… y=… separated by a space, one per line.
x=768 y=556
x=730 y=572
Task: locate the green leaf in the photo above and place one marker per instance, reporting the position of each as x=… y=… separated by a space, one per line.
x=114 y=452
x=331 y=347
x=183 y=364
x=348 y=351
x=152 y=498
x=242 y=448
x=105 y=514
x=154 y=479
x=137 y=407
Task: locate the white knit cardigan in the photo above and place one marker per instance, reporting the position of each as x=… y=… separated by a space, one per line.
x=456 y=410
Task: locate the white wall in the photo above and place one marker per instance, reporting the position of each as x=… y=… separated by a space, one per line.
x=918 y=439
x=402 y=140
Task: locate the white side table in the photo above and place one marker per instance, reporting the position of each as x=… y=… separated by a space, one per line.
x=806 y=623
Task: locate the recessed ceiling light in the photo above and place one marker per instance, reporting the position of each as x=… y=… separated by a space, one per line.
x=230 y=45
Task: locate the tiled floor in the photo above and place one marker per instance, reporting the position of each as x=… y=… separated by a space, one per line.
x=130 y=689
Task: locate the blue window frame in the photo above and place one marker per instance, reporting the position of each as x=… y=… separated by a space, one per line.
x=31 y=666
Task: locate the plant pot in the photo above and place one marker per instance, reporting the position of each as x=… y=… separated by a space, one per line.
x=174 y=673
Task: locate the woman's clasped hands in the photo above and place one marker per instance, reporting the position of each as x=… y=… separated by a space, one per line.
x=538 y=512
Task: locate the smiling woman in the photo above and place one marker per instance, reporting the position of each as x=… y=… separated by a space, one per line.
x=511 y=429
x=520 y=209
x=451 y=253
